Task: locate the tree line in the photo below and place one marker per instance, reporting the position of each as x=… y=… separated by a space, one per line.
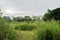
x=21 y=19
x=49 y=15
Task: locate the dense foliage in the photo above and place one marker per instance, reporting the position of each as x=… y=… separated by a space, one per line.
x=25 y=26
x=6 y=32
x=48 y=31
x=52 y=14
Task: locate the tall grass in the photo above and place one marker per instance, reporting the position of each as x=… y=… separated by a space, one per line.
x=38 y=30
x=48 y=31
x=6 y=33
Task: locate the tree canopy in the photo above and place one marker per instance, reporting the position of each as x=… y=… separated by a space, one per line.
x=52 y=14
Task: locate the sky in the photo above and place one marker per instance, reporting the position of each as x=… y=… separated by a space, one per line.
x=27 y=7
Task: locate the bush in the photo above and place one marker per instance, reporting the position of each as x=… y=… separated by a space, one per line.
x=44 y=34
x=6 y=33
x=49 y=35
x=25 y=27
x=48 y=31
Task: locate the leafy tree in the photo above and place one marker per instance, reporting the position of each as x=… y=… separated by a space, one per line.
x=7 y=18
x=18 y=19
x=36 y=18
x=52 y=14
x=27 y=18
x=0 y=13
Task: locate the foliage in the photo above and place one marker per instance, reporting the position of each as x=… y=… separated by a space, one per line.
x=27 y=18
x=52 y=14
x=36 y=18
x=7 y=18
x=44 y=35
x=25 y=26
x=18 y=19
x=48 y=31
x=6 y=33
x=32 y=30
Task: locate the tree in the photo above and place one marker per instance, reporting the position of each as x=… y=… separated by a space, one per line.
x=18 y=19
x=27 y=18
x=36 y=18
x=52 y=14
x=0 y=13
x=7 y=18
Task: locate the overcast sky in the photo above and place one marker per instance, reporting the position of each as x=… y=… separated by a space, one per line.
x=27 y=7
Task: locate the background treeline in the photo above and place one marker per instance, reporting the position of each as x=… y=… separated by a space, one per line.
x=21 y=18
x=49 y=15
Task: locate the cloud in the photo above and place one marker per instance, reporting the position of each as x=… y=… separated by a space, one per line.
x=28 y=7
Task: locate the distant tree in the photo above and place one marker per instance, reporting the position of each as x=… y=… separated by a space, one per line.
x=47 y=16
x=18 y=19
x=27 y=18
x=52 y=14
x=21 y=18
x=0 y=13
x=36 y=18
x=7 y=18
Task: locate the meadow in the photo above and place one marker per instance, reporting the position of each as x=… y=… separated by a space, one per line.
x=37 y=30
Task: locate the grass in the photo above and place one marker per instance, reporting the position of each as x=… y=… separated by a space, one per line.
x=40 y=31
x=25 y=35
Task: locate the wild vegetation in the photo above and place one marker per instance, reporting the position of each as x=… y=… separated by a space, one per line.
x=27 y=28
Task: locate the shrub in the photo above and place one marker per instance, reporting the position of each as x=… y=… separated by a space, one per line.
x=40 y=34
x=48 y=31
x=6 y=33
x=49 y=35
x=25 y=27
x=44 y=34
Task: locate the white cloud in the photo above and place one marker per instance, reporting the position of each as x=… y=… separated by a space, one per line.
x=28 y=7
